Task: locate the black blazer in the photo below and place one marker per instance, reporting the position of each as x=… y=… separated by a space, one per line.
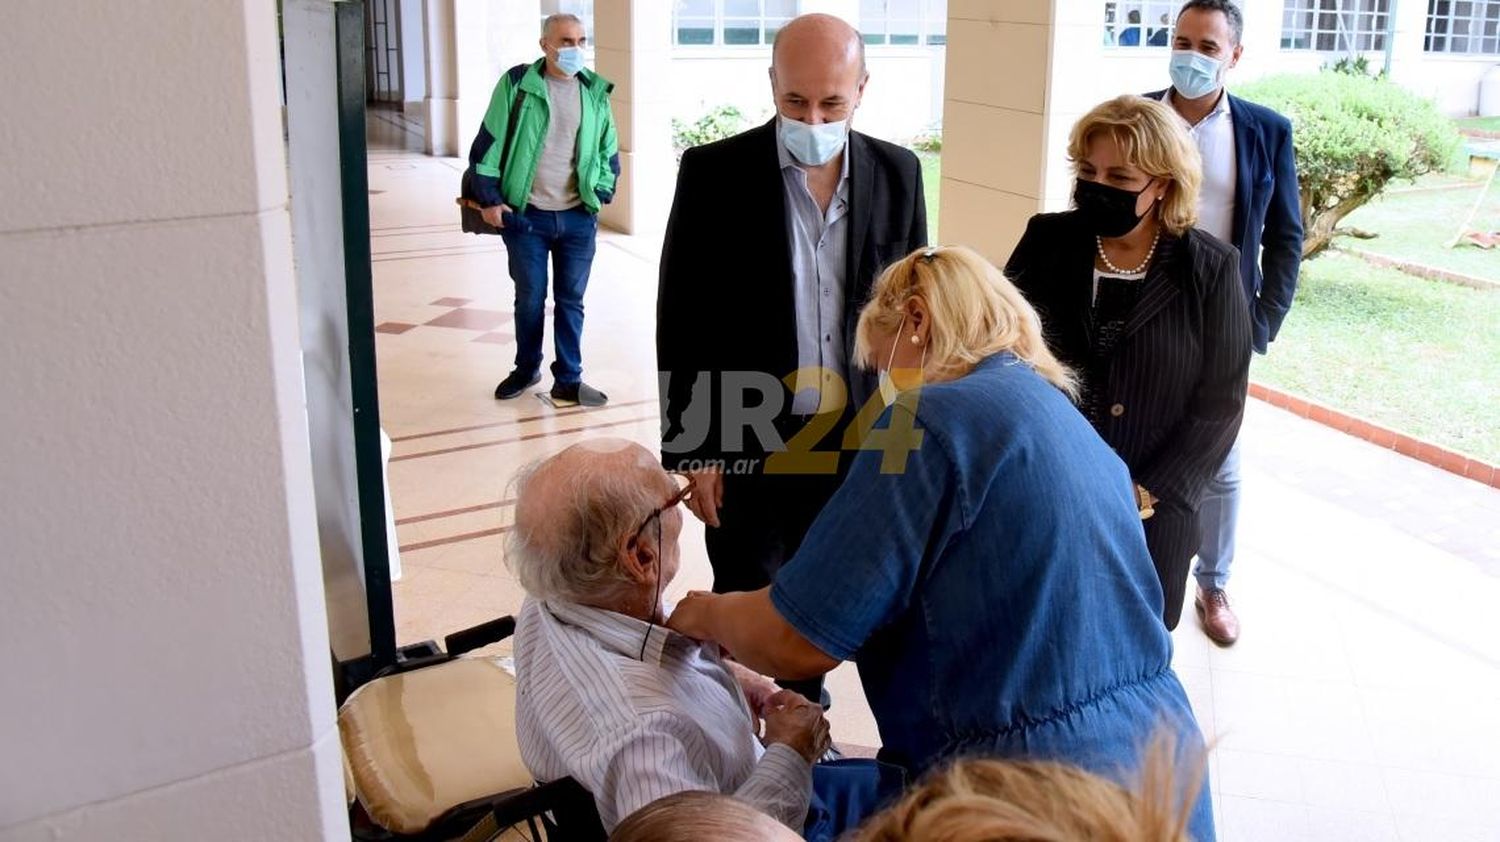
x=726 y=298
x=1267 y=212
x=1175 y=392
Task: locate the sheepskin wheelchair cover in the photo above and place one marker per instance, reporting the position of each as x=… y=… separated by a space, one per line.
x=423 y=742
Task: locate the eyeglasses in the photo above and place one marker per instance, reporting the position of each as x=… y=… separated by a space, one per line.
x=685 y=485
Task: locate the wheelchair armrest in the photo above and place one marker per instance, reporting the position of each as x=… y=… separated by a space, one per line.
x=565 y=809
x=475 y=637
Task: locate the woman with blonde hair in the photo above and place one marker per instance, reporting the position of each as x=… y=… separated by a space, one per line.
x=983 y=562
x=1150 y=312
x=1043 y=801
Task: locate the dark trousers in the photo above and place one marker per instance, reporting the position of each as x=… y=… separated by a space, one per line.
x=1172 y=536
x=761 y=525
x=846 y=792
x=568 y=238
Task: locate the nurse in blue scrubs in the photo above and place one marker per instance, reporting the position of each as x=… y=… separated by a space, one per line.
x=984 y=562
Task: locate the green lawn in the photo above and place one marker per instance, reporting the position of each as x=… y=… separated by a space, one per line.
x=1415 y=225
x=1488 y=124
x=932 y=181
x=1420 y=356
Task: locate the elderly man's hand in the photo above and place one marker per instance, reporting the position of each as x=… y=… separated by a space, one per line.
x=798 y=724
x=708 y=495
x=693 y=616
x=757 y=688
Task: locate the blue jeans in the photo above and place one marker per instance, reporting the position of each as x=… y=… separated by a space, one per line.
x=568 y=238
x=1218 y=516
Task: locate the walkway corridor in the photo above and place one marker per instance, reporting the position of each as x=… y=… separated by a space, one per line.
x=1362 y=703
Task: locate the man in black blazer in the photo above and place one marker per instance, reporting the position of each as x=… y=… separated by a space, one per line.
x=775 y=238
x=1249 y=198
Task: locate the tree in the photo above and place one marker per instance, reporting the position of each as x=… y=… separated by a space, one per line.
x=1353 y=135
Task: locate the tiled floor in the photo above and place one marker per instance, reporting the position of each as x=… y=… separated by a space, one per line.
x=1362 y=703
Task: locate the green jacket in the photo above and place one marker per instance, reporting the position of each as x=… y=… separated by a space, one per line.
x=523 y=92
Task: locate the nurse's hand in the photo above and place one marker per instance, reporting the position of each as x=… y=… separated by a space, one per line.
x=708 y=495
x=694 y=615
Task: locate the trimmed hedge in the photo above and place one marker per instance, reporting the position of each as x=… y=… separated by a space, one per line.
x=1353 y=135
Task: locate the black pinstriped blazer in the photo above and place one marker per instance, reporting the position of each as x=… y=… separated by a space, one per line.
x=1176 y=384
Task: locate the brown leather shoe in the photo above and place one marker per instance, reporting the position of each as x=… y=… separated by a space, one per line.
x=1216 y=617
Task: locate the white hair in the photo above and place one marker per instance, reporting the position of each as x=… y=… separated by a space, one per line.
x=571 y=552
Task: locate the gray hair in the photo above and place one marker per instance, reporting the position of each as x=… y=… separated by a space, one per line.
x=570 y=552
x=562 y=17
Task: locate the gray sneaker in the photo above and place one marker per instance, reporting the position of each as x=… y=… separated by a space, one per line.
x=577 y=394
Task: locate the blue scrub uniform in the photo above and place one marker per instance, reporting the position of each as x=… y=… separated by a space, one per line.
x=997 y=593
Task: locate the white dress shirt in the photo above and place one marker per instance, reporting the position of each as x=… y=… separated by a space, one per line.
x=820 y=244
x=1214 y=136
x=634 y=729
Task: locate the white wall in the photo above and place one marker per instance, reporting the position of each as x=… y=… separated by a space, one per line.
x=1451 y=80
x=165 y=657
x=904 y=96
x=1080 y=66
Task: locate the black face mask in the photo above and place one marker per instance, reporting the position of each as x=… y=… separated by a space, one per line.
x=1109 y=211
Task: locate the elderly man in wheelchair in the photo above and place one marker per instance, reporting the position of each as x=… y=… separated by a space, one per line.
x=631 y=710
x=609 y=706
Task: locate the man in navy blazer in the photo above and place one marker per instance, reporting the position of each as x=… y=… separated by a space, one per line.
x=1249 y=198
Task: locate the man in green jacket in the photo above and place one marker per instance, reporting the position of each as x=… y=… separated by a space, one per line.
x=545 y=160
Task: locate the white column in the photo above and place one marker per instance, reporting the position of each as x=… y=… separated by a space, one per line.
x=413 y=55
x=1410 y=42
x=441 y=99
x=469 y=44
x=996 y=121
x=166 y=664
x=633 y=50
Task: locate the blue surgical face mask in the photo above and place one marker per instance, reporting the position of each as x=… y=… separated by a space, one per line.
x=813 y=145
x=1194 y=74
x=570 y=59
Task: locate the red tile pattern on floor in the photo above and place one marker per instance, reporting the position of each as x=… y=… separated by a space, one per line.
x=471 y=319
x=396 y=328
x=451 y=302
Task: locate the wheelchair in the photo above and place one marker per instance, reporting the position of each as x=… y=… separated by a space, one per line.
x=430 y=754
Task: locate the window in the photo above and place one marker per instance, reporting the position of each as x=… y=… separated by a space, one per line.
x=1147 y=23
x=735 y=23
x=904 y=23
x=1335 y=26
x=583 y=9
x=1463 y=26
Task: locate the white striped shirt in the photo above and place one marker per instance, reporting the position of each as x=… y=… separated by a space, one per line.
x=634 y=730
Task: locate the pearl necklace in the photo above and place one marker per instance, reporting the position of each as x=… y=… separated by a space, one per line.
x=1109 y=264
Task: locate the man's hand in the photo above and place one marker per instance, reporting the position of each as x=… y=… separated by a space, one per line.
x=492 y=215
x=708 y=495
x=798 y=724
x=693 y=615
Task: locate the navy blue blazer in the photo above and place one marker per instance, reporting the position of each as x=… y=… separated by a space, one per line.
x=1267 y=214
